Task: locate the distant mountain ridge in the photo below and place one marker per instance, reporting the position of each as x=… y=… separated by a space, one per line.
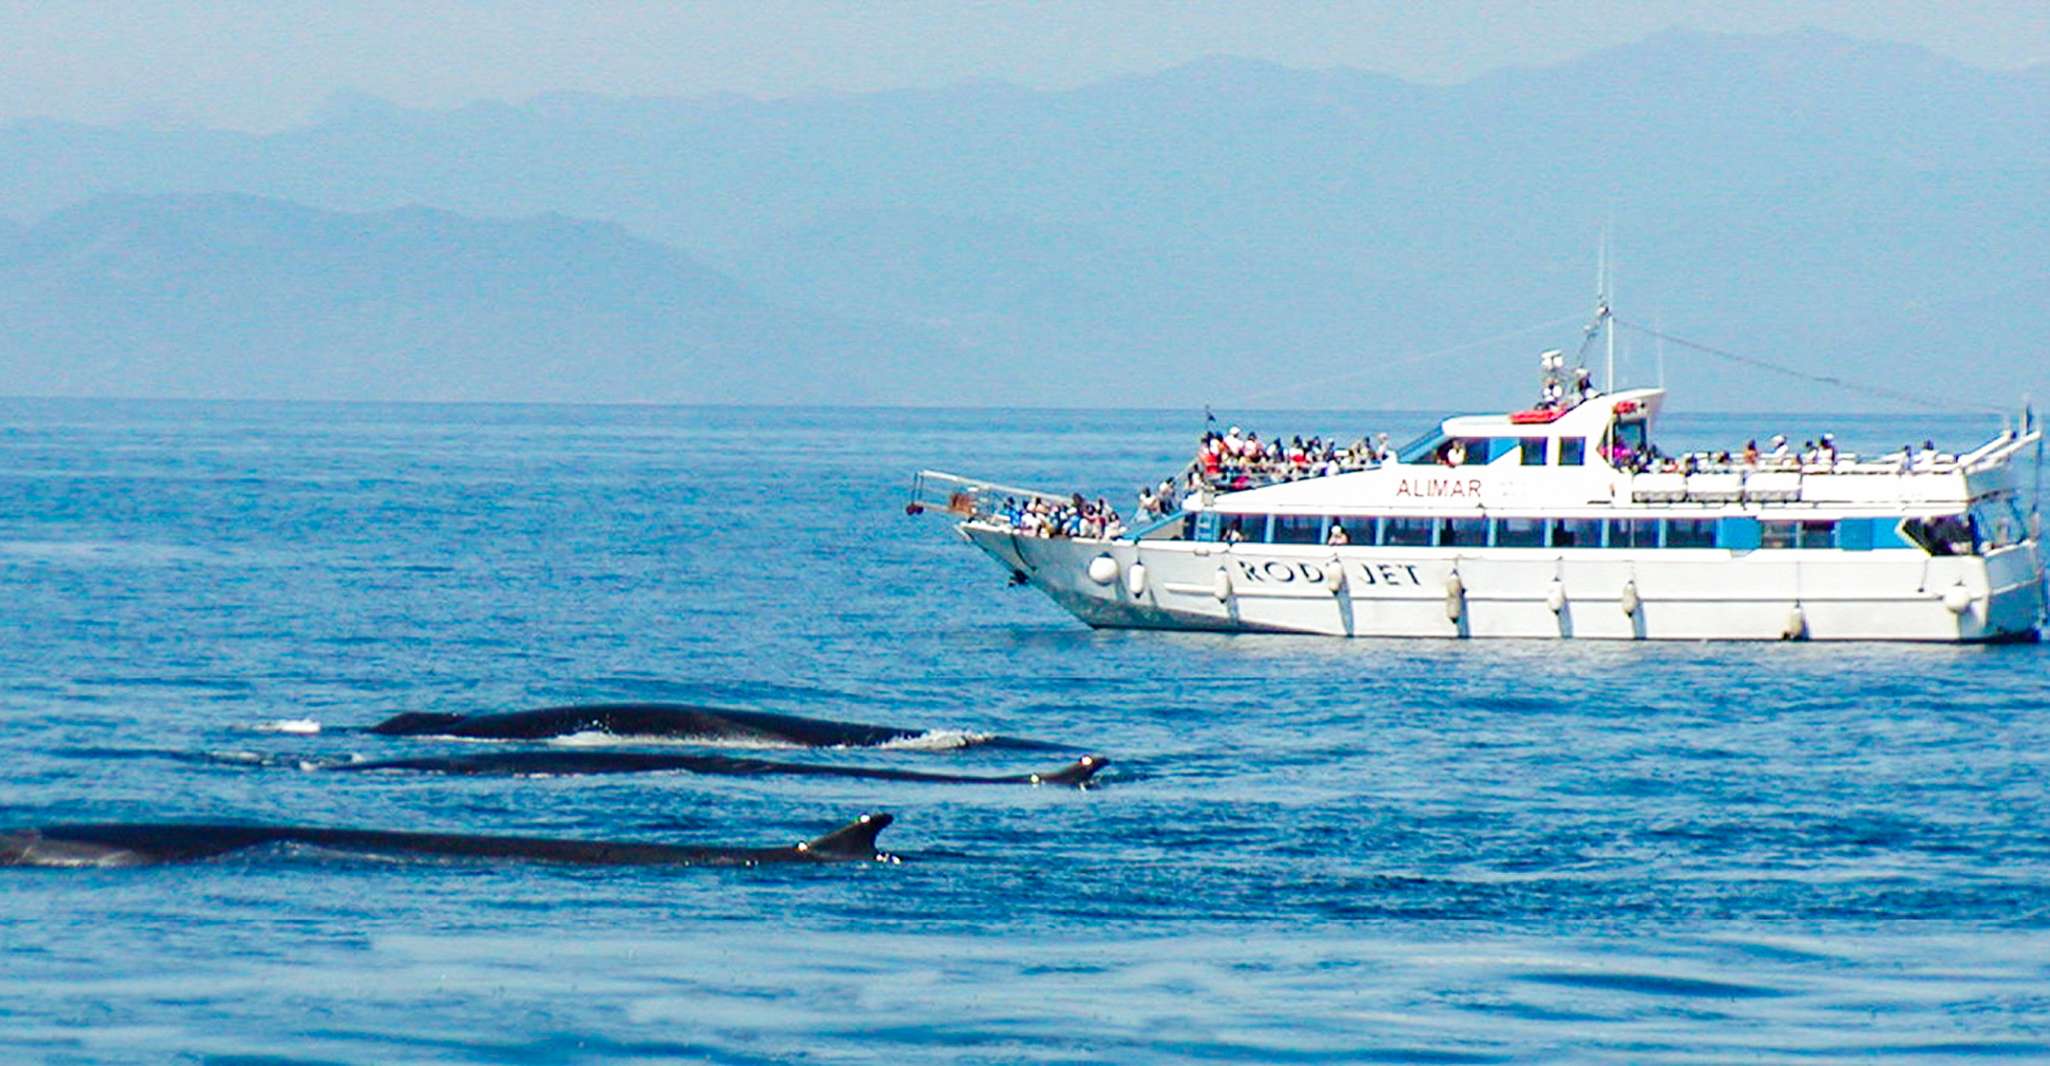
x=241 y=296
x=1232 y=226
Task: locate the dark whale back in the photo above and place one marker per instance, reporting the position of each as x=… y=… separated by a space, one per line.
x=131 y=844
x=557 y=762
x=415 y=724
x=126 y=844
x=668 y=720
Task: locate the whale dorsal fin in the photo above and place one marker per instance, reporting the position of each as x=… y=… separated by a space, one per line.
x=1076 y=773
x=855 y=840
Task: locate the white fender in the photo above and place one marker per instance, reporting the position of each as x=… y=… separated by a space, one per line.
x=1957 y=599
x=1103 y=569
x=1334 y=576
x=1220 y=586
x=1555 y=595
x=1455 y=597
x=1797 y=624
x=1629 y=598
x=1135 y=579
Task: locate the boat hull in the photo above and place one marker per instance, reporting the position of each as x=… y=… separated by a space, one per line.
x=1593 y=594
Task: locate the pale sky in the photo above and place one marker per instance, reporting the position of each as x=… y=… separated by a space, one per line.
x=268 y=65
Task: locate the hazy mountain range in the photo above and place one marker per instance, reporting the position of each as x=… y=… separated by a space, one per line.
x=230 y=295
x=1229 y=231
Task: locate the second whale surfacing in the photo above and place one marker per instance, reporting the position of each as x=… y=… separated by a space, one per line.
x=536 y=763
x=675 y=721
x=144 y=844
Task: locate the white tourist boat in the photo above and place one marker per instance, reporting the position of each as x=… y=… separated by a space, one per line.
x=1534 y=532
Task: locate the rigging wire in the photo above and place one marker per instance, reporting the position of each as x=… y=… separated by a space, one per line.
x=1245 y=401
x=1820 y=379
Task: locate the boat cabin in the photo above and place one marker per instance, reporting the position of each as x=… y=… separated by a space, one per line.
x=1612 y=431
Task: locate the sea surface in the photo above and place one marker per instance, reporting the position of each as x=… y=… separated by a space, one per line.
x=1305 y=851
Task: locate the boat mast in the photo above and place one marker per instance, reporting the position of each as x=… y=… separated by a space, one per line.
x=1602 y=315
x=1658 y=325
x=2031 y=424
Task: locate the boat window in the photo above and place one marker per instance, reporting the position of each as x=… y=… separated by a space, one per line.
x=1467 y=451
x=1533 y=450
x=1999 y=523
x=1690 y=532
x=1626 y=443
x=1358 y=530
x=1424 y=449
x=1815 y=535
x=1176 y=526
x=1577 y=533
x=1942 y=535
x=1739 y=533
x=1519 y=532
x=1298 y=529
x=1776 y=534
x=1634 y=533
x=1573 y=451
x=1408 y=531
x=1463 y=533
x=1238 y=527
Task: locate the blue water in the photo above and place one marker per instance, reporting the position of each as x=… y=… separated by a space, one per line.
x=1307 y=850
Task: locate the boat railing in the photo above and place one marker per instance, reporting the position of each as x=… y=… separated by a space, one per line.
x=1790 y=479
x=1240 y=476
x=939 y=492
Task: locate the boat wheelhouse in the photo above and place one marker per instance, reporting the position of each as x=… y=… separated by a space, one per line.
x=1564 y=521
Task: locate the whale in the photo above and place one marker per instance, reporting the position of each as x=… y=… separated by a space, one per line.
x=673 y=721
x=147 y=844
x=563 y=763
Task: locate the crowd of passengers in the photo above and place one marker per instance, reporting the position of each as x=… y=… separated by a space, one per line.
x=1814 y=455
x=1074 y=517
x=1238 y=459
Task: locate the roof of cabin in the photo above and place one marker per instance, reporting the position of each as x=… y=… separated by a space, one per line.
x=1584 y=420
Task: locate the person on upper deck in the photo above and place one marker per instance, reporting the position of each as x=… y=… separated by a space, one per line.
x=1551 y=390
